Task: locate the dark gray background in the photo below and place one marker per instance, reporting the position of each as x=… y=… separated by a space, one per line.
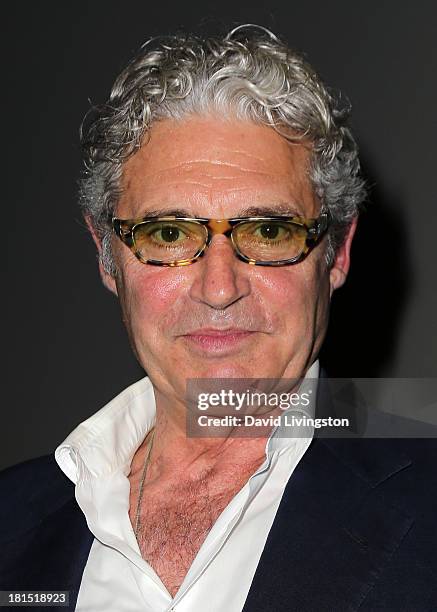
x=64 y=344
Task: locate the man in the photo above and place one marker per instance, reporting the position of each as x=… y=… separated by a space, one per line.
x=222 y=192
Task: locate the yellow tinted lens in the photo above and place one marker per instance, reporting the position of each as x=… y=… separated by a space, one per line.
x=270 y=240
x=169 y=241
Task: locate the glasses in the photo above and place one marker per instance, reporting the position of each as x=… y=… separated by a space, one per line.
x=260 y=241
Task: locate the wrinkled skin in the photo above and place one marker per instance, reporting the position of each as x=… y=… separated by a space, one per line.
x=221 y=317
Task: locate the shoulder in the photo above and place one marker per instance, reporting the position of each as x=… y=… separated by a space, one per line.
x=30 y=491
x=32 y=476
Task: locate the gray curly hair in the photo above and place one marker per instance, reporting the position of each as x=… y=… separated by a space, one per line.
x=249 y=74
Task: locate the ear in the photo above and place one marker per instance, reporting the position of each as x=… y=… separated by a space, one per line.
x=107 y=279
x=340 y=267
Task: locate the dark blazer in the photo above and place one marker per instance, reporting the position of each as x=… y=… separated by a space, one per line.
x=356 y=530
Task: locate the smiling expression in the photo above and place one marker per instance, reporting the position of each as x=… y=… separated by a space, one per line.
x=220 y=317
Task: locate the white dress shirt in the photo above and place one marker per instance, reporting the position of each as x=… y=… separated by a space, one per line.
x=97 y=457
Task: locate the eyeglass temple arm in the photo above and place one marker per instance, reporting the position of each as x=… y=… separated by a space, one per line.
x=123 y=232
x=320 y=226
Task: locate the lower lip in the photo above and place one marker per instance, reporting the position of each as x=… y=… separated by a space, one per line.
x=218 y=342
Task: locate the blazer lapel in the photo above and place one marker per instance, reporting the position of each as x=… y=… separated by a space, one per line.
x=334 y=530
x=50 y=556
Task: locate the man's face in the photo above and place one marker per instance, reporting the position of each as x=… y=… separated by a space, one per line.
x=220 y=317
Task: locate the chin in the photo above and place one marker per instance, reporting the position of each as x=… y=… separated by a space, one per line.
x=227 y=371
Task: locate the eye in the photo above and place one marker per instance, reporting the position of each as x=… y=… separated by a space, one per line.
x=168 y=233
x=271 y=230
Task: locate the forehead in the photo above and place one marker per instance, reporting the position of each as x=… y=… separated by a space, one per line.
x=210 y=167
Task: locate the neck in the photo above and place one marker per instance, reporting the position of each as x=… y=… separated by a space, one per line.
x=174 y=452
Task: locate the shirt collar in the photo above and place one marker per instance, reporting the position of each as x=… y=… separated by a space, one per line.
x=109 y=438
x=107 y=441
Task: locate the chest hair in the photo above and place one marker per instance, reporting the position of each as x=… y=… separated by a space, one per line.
x=176 y=519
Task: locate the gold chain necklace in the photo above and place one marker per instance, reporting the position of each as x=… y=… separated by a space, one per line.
x=143 y=478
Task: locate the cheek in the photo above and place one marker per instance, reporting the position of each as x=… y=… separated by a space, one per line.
x=148 y=295
x=291 y=294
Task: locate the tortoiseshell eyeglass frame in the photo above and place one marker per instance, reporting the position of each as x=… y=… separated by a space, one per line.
x=315 y=228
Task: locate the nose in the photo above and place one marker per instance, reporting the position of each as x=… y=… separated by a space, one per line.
x=220 y=279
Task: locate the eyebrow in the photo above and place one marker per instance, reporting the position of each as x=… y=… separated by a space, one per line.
x=165 y=212
x=270 y=211
x=250 y=211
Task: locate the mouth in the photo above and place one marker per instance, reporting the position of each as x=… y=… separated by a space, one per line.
x=217 y=341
